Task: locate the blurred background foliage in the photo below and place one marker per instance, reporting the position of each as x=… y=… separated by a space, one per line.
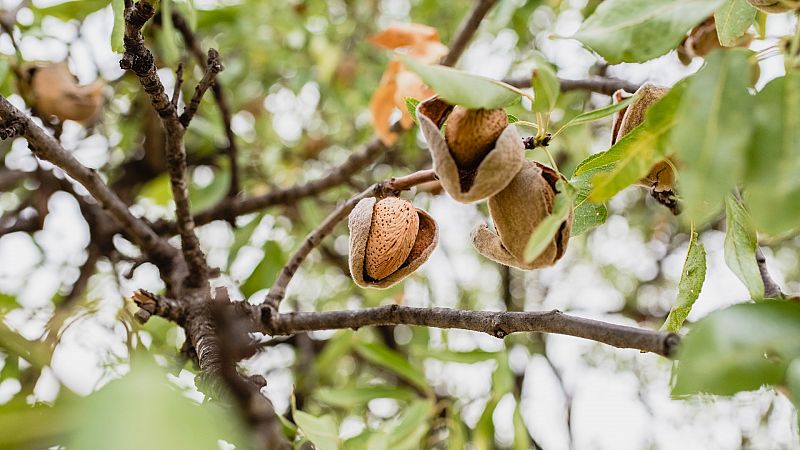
x=299 y=76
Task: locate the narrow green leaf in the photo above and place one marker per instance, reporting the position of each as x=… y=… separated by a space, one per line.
x=772 y=190
x=241 y=236
x=591 y=116
x=71 y=10
x=411 y=107
x=483 y=436
x=118 y=31
x=632 y=157
x=266 y=271
x=587 y=215
x=712 y=133
x=546 y=86
x=349 y=398
x=793 y=383
x=547 y=228
x=739 y=348
x=456 y=430
x=385 y=357
x=409 y=430
x=167 y=36
x=470 y=357
x=732 y=20
x=512 y=118
x=740 y=247
x=639 y=30
x=522 y=440
x=321 y=431
x=465 y=89
x=692 y=277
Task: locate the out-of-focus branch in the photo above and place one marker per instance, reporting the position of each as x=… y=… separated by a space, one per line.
x=601 y=85
x=459 y=43
x=381 y=189
x=771 y=288
x=138 y=59
x=45 y=147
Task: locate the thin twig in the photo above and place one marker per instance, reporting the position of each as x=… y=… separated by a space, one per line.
x=213 y=67
x=771 y=288
x=459 y=43
x=176 y=90
x=190 y=39
x=381 y=189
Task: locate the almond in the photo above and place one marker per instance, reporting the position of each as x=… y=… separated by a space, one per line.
x=471 y=134
x=393 y=231
x=57 y=93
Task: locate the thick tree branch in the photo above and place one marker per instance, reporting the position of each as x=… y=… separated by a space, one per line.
x=496 y=323
x=45 y=147
x=213 y=67
x=381 y=189
x=459 y=43
x=601 y=85
x=138 y=59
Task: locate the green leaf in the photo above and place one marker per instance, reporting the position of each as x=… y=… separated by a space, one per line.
x=732 y=20
x=116 y=416
x=639 y=30
x=522 y=440
x=586 y=215
x=793 y=383
x=71 y=10
x=167 y=36
x=483 y=437
x=692 y=277
x=739 y=348
x=470 y=357
x=383 y=356
x=408 y=431
x=465 y=89
x=632 y=157
x=740 y=247
x=118 y=31
x=157 y=190
x=352 y=397
x=547 y=228
x=712 y=133
x=591 y=116
x=210 y=195
x=241 y=236
x=266 y=271
x=546 y=86
x=456 y=430
x=321 y=431
x=512 y=118
x=772 y=193
x=411 y=107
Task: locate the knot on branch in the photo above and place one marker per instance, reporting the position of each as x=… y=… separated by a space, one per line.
x=671 y=343
x=139 y=14
x=213 y=62
x=140 y=62
x=12 y=128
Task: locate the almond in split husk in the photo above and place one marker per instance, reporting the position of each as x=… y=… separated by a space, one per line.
x=57 y=93
x=775 y=6
x=479 y=153
x=516 y=212
x=662 y=175
x=389 y=239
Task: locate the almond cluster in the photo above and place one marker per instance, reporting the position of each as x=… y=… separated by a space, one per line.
x=477 y=155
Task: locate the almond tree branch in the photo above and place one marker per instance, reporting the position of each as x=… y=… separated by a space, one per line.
x=459 y=43
x=190 y=40
x=213 y=67
x=381 y=189
x=496 y=323
x=45 y=147
x=138 y=59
